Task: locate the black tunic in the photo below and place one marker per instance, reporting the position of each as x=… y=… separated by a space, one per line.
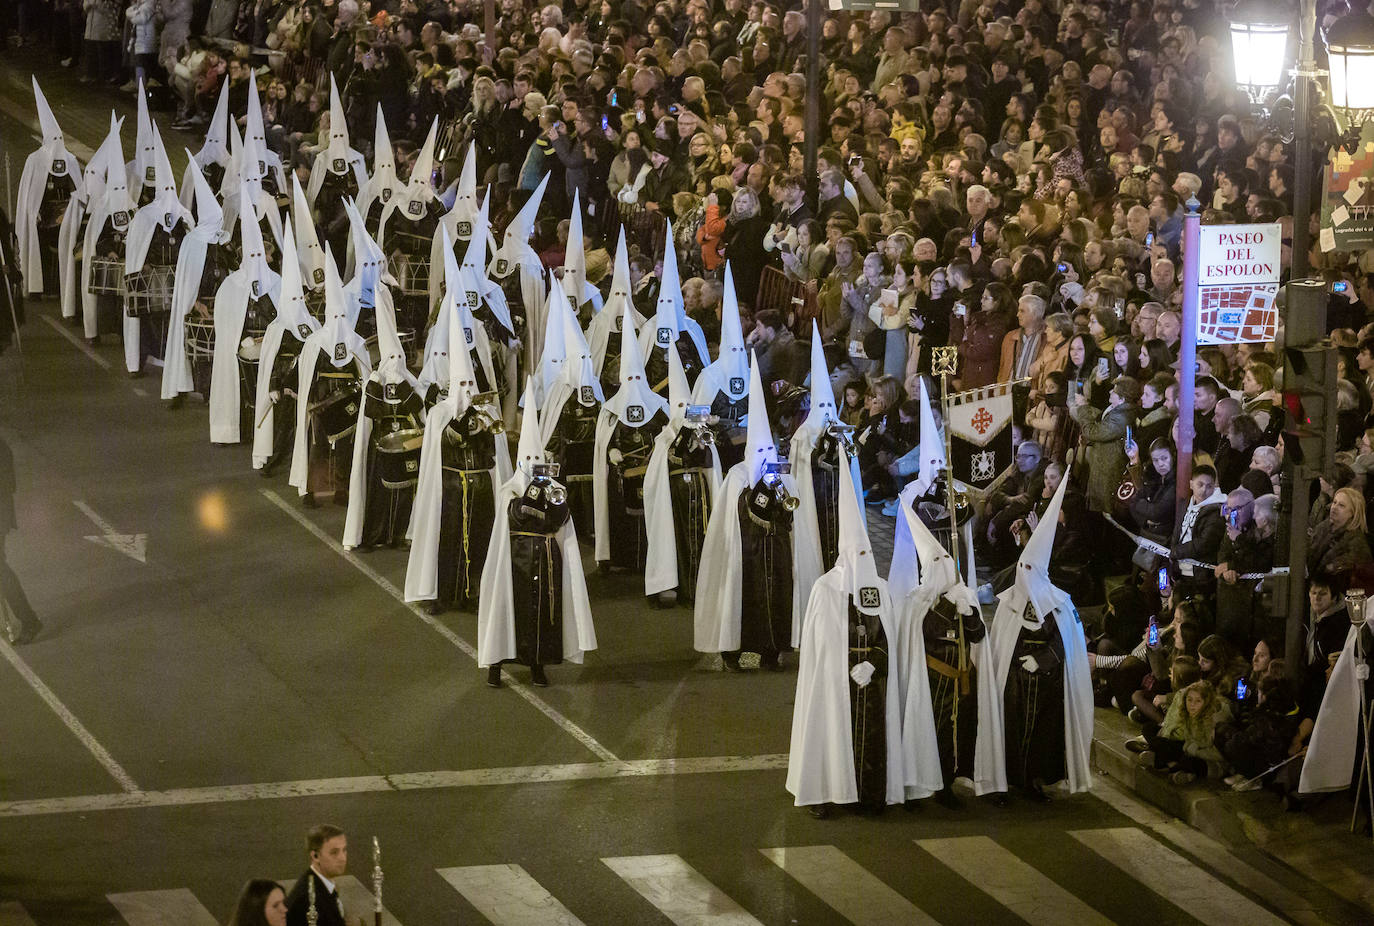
x=825 y=486
x=625 y=489
x=258 y=314
x=536 y=573
x=391 y=407
x=468 y=509
x=689 y=475
x=656 y=363
x=109 y=245
x=868 y=709
x=330 y=214
x=331 y=460
x=283 y=380
x=730 y=432
x=572 y=447
x=412 y=236
x=765 y=533
x=57 y=192
x=953 y=693
x=1035 y=708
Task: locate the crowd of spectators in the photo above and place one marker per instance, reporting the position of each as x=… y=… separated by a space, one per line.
x=1006 y=178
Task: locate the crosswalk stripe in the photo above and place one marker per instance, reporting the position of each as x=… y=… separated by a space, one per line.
x=357 y=899
x=679 y=891
x=161 y=908
x=1173 y=877
x=846 y=886
x=1011 y=882
x=12 y=914
x=508 y=896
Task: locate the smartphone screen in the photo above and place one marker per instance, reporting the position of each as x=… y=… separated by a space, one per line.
x=1129 y=439
x=1163 y=579
x=1102 y=367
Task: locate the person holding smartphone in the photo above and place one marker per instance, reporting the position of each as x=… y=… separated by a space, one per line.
x=1246 y=548
x=1102 y=437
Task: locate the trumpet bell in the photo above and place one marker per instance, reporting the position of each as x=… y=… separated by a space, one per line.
x=791 y=502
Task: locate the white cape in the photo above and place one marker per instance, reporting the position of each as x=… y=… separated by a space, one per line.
x=660 y=570
x=231 y=309
x=1330 y=758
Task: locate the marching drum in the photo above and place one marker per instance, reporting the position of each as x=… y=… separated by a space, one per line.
x=148 y=291
x=411 y=273
x=107 y=276
x=336 y=417
x=199 y=334
x=398 y=458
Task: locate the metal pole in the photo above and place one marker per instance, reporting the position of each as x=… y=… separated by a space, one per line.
x=1302 y=140
x=813 y=102
x=1187 y=353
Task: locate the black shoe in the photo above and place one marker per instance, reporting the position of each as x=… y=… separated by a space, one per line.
x=772 y=663
x=731 y=661
x=603 y=568
x=176 y=402
x=537 y=676
x=93 y=341
x=494 y=676
x=136 y=374
x=819 y=811
x=434 y=609
x=309 y=500
x=999 y=799
x=946 y=797
x=654 y=602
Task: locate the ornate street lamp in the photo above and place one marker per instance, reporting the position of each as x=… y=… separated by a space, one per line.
x=1259 y=47
x=1350 y=51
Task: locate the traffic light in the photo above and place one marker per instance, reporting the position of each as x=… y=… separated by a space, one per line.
x=1309 y=405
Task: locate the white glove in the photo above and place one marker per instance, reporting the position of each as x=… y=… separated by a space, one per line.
x=615 y=456
x=1362 y=671
x=1029 y=664
x=963 y=598
x=862 y=673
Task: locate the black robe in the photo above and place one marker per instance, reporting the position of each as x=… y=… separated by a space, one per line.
x=868 y=709
x=330 y=216
x=283 y=380
x=332 y=402
x=656 y=362
x=57 y=192
x=150 y=291
x=412 y=236
x=392 y=407
x=765 y=533
x=573 y=446
x=1034 y=708
x=468 y=510
x=953 y=695
x=730 y=431
x=625 y=490
x=536 y=572
x=109 y=245
x=825 y=486
x=689 y=488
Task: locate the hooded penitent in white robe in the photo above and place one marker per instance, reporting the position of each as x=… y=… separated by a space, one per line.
x=208 y=230
x=729 y=374
x=634 y=405
x=214 y=151
x=114 y=208
x=806 y=519
x=371 y=279
x=660 y=565
x=555 y=348
x=383 y=184
x=426 y=514
x=338 y=157
x=253 y=278
x=414 y=204
x=1033 y=589
x=575 y=380
x=460 y=220
x=246 y=177
x=309 y=254
x=606 y=323
x=52 y=157
x=516 y=255
x=670 y=317
x=142 y=170
x=496 y=601
x=718 y=601
x=86 y=197
x=466 y=295
x=574 y=276
x=901 y=573
x=293 y=321
x=1331 y=752
x=255 y=139
x=820 y=763
x=342 y=346
x=164 y=212
x=939 y=579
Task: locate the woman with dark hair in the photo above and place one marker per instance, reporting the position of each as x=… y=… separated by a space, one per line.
x=260 y=903
x=978 y=332
x=1233 y=457
x=1154 y=358
x=1125 y=357
x=1080 y=372
x=1153 y=506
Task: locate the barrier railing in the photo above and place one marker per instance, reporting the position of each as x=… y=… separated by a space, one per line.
x=795 y=300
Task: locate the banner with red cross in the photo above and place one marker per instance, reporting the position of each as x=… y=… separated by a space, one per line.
x=979 y=424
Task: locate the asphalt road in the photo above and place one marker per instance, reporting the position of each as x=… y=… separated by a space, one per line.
x=187 y=713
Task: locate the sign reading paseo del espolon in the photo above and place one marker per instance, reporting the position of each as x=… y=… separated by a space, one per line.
x=1238 y=278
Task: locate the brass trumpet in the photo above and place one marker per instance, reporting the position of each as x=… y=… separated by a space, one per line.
x=843 y=434
x=789 y=501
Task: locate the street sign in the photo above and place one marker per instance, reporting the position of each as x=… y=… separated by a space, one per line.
x=1238 y=278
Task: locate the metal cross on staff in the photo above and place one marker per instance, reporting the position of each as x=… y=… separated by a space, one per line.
x=377 y=880
x=944 y=363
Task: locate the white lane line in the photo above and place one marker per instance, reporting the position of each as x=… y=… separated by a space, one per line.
x=12 y=914
x=1017 y=886
x=161 y=908
x=408 y=781
x=67 y=717
x=508 y=896
x=138 y=391
x=76 y=342
x=1207 y=850
x=679 y=891
x=566 y=725
x=1174 y=877
x=849 y=888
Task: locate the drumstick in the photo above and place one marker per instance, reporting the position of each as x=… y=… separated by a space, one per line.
x=267 y=411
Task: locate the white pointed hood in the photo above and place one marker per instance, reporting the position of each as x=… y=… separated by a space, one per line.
x=53 y=139
x=936 y=563
x=254 y=259
x=679 y=392
x=855 y=559
x=109 y=154
x=932 y=448
x=339 y=150
x=208 y=212
x=516 y=242
x=307 y=243
x=822 y=393
x=670 y=309
x=383 y=184
x=634 y=390
x=462 y=376
x=163 y=211
x=233 y=174
x=254 y=135
x=530 y=450
x=759 y=449
x=215 y=150
x=368 y=258
x=291 y=308
x=575 y=257
x=166 y=195
x=339 y=328
x=1033 y=567
x=419 y=190
x=475 y=256
x=464 y=210
x=732 y=360
x=143 y=168
x=619 y=293
x=555 y=347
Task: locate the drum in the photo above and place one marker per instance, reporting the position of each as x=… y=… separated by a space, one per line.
x=398 y=458
x=336 y=417
x=107 y=276
x=149 y=290
x=200 y=339
x=411 y=274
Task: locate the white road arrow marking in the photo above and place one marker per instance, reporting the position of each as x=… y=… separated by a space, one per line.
x=134 y=546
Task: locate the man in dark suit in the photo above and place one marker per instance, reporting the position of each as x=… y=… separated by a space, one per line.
x=328 y=848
